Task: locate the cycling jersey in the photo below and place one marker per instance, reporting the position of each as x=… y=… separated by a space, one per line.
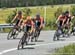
x=61 y=18
x=29 y=22
x=19 y=17
x=68 y=17
x=40 y=19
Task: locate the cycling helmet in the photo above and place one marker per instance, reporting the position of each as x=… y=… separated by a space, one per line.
x=19 y=12
x=66 y=12
x=37 y=15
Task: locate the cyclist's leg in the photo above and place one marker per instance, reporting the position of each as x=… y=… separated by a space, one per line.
x=60 y=26
x=39 y=27
x=26 y=28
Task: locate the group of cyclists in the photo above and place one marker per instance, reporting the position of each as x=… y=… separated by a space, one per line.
x=64 y=21
x=29 y=23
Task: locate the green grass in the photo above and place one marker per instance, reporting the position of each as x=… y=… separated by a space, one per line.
x=67 y=50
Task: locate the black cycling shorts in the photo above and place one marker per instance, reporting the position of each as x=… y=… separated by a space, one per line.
x=37 y=24
x=17 y=22
x=60 y=23
x=27 y=28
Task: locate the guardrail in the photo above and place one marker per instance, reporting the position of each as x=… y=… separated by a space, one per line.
x=2 y=26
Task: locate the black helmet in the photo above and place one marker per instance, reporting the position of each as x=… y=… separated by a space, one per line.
x=20 y=12
x=66 y=12
x=37 y=15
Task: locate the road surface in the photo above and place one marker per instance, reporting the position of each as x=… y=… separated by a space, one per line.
x=44 y=46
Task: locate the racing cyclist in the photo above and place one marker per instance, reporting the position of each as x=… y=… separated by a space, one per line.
x=28 y=25
x=18 y=18
x=61 y=21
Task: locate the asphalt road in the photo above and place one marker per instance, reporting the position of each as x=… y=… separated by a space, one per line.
x=44 y=46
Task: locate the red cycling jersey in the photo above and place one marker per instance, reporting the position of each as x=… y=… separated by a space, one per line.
x=29 y=22
x=61 y=18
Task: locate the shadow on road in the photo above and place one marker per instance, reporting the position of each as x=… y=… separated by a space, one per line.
x=40 y=41
x=30 y=44
x=61 y=40
x=29 y=48
x=15 y=39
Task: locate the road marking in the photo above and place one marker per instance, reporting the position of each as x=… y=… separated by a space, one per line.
x=9 y=50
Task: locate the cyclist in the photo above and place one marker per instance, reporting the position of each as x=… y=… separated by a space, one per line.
x=28 y=24
x=40 y=21
x=61 y=19
x=69 y=20
x=18 y=18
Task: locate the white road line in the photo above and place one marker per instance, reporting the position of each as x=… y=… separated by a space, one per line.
x=5 y=51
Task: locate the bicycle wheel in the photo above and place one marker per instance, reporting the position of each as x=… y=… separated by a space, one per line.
x=36 y=36
x=74 y=33
x=33 y=36
x=56 y=36
x=20 y=44
x=10 y=34
x=22 y=41
x=15 y=35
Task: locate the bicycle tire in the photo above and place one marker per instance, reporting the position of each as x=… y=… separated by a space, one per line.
x=22 y=41
x=10 y=33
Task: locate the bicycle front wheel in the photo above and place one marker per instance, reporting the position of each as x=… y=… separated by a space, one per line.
x=10 y=34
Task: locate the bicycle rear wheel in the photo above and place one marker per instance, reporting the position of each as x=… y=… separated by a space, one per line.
x=10 y=34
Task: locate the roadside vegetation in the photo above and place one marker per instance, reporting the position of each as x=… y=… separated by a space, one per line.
x=66 y=50
x=7 y=14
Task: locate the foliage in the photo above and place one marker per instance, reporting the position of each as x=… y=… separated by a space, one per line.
x=11 y=16
x=73 y=13
x=27 y=12
x=51 y=14
x=58 y=12
x=66 y=50
x=22 y=3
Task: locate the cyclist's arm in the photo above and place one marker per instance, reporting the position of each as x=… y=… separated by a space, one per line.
x=24 y=23
x=57 y=19
x=63 y=21
x=32 y=24
x=14 y=19
x=20 y=20
x=72 y=17
x=68 y=20
x=41 y=21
